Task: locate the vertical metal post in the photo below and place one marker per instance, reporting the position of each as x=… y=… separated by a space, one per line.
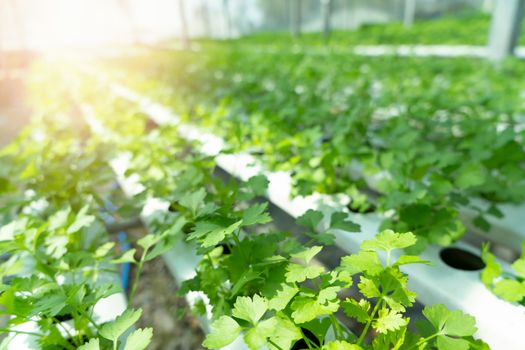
x=409 y=13
x=326 y=9
x=184 y=37
x=205 y=13
x=505 y=28
x=295 y=18
x=227 y=19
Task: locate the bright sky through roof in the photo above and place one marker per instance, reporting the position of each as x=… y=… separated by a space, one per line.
x=58 y=23
x=43 y=24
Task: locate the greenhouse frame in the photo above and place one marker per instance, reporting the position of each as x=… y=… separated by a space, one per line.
x=262 y=174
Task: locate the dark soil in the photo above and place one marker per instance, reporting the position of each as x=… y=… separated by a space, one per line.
x=174 y=327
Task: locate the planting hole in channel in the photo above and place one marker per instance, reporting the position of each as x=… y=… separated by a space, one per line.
x=461 y=259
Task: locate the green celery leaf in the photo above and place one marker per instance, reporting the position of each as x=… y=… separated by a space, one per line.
x=248 y=276
x=307 y=254
x=193 y=201
x=449 y=322
x=81 y=220
x=341 y=345
x=202 y=228
x=299 y=273
x=92 y=344
x=368 y=288
x=394 y=340
x=307 y=309
x=255 y=186
x=223 y=332
x=494 y=211
x=447 y=343
x=256 y=215
x=510 y=290
x=470 y=175
x=217 y=235
x=310 y=219
x=285 y=335
x=363 y=261
x=388 y=321
x=492 y=268
x=114 y=329
x=250 y=309
x=139 y=339
x=519 y=267
x=56 y=245
x=103 y=250
x=328 y=294
x=258 y=336
x=50 y=303
x=258 y=184
x=388 y=240
x=340 y=221
x=128 y=256
x=59 y=219
x=284 y=294
x=358 y=310
x=410 y=259
x=482 y=223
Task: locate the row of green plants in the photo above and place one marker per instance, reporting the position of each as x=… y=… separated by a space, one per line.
x=462 y=28
x=58 y=260
x=263 y=283
x=432 y=133
x=260 y=282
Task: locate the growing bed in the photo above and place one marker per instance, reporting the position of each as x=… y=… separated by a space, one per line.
x=399 y=163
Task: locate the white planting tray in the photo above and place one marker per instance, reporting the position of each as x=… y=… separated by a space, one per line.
x=443 y=51
x=508 y=230
x=499 y=323
x=421 y=50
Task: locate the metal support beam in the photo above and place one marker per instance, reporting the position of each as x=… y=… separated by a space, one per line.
x=227 y=18
x=184 y=36
x=326 y=9
x=205 y=15
x=295 y=17
x=505 y=28
x=409 y=13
